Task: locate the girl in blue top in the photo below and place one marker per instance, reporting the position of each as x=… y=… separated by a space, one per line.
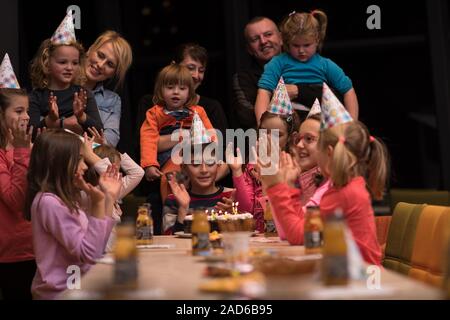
x=303 y=35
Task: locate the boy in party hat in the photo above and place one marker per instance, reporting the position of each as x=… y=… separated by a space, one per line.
x=200 y=189
x=58 y=99
x=17 y=262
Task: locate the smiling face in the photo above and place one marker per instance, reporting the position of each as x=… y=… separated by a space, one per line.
x=63 y=67
x=196 y=68
x=102 y=64
x=175 y=96
x=17 y=112
x=303 y=48
x=306 y=144
x=263 y=40
x=202 y=176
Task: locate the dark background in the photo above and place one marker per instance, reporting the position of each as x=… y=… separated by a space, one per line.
x=400 y=72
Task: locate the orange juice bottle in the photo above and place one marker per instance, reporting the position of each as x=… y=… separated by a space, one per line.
x=125 y=254
x=335 y=262
x=144 y=225
x=269 y=225
x=200 y=233
x=313 y=230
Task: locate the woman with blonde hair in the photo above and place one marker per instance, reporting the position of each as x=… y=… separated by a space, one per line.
x=108 y=58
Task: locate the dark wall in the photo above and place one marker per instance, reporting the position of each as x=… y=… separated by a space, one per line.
x=390 y=68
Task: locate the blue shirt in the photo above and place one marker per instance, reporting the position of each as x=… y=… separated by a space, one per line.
x=109 y=106
x=314 y=71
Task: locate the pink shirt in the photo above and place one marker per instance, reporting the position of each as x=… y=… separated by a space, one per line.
x=62 y=239
x=356 y=204
x=249 y=195
x=15 y=232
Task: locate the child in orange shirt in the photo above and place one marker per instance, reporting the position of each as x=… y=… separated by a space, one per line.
x=174 y=98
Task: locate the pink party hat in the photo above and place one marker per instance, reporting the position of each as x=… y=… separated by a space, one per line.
x=198 y=131
x=65 y=33
x=333 y=112
x=7 y=77
x=315 y=109
x=280 y=103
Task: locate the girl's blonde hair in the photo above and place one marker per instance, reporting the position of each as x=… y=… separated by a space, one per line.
x=174 y=74
x=53 y=163
x=39 y=65
x=356 y=153
x=6 y=94
x=122 y=50
x=304 y=24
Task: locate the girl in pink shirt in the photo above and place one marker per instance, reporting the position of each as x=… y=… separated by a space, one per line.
x=17 y=265
x=305 y=172
x=68 y=235
x=356 y=164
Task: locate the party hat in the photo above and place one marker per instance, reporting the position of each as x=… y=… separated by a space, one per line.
x=7 y=77
x=333 y=112
x=280 y=103
x=315 y=109
x=65 y=33
x=198 y=131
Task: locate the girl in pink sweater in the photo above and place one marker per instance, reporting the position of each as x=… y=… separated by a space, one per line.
x=17 y=265
x=355 y=163
x=68 y=235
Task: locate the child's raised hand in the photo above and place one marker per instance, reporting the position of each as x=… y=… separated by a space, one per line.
x=152 y=173
x=53 y=111
x=99 y=137
x=79 y=105
x=110 y=182
x=20 y=135
x=268 y=172
x=179 y=191
x=96 y=195
x=289 y=169
x=235 y=163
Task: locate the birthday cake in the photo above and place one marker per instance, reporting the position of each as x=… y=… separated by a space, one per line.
x=224 y=221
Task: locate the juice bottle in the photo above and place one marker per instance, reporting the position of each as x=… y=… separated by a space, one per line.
x=125 y=253
x=269 y=225
x=313 y=230
x=144 y=225
x=335 y=262
x=200 y=233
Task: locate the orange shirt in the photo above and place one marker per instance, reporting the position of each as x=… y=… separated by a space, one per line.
x=156 y=120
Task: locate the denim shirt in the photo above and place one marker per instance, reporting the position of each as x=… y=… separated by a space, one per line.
x=109 y=106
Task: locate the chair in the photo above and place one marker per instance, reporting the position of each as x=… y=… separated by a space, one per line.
x=419 y=196
x=382 y=225
x=430 y=246
x=401 y=236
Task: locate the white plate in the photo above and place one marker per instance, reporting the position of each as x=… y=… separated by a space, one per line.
x=181 y=234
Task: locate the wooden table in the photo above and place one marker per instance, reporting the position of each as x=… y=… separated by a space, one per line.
x=174 y=274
